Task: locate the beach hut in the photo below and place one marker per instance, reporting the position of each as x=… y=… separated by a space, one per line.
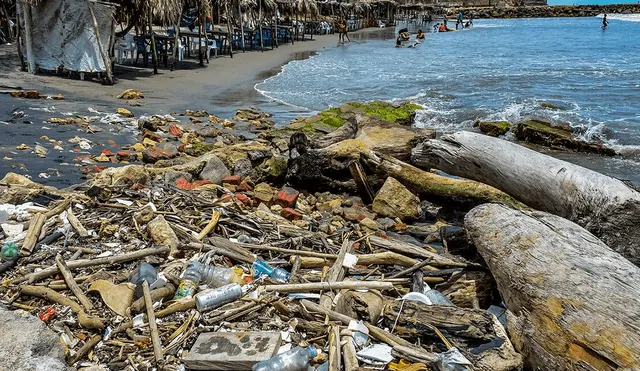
x=69 y=35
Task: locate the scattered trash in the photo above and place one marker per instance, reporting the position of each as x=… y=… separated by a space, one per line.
x=297 y=359
x=212 y=299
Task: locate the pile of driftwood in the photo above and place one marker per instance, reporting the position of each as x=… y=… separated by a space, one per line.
x=359 y=220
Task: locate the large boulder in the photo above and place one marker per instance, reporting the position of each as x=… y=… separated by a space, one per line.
x=214 y=170
x=17 y=189
x=395 y=200
x=27 y=344
x=494 y=128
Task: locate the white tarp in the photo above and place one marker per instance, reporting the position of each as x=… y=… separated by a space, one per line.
x=63 y=35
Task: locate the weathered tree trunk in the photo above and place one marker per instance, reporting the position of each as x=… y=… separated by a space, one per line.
x=477 y=333
x=605 y=206
x=432 y=185
x=28 y=37
x=578 y=301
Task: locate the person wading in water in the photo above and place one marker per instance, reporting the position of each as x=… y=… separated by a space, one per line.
x=342 y=31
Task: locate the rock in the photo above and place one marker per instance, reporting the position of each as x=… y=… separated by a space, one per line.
x=385 y=223
x=214 y=170
x=242 y=167
x=249 y=115
x=494 y=128
x=197 y=149
x=161 y=233
x=369 y=223
x=163 y=151
x=131 y=94
x=123 y=155
x=543 y=133
x=454 y=239
x=290 y=214
x=27 y=344
x=171 y=176
x=272 y=170
x=395 y=200
x=366 y=306
x=126 y=175
x=192 y=113
x=287 y=197
x=20 y=189
x=124 y=112
x=263 y=193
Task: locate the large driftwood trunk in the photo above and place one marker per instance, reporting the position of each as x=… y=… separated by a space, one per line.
x=577 y=301
x=605 y=206
x=476 y=332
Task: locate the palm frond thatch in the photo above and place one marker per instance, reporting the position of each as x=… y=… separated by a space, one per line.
x=308 y=7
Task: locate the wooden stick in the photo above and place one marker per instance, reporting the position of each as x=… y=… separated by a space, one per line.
x=178 y=306
x=31 y=62
x=408 y=249
x=220 y=250
x=84 y=263
x=289 y=251
x=335 y=357
x=329 y=286
x=410 y=270
x=60 y=207
x=85 y=349
x=153 y=327
x=103 y=53
x=215 y=217
x=336 y=273
x=75 y=223
x=33 y=233
x=84 y=319
x=349 y=359
x=358 y=174
x=384 y=258
x=157 y=294
x=72 y=284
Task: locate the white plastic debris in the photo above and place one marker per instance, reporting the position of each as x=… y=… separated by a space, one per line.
x=360 y=333
x=376 y=354
x=453 y=360
x=349 y=261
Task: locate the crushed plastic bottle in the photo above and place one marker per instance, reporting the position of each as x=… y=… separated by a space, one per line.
x=212 y=299
x=190 y=280
x=144 y=272
x=216 y=276
x=9 y=251
x=453 y=360
x=436 y=297
x=276 y=274
x=297 y=359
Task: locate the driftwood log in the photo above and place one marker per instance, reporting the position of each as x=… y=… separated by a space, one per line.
x=577 y=302
x=603 y=205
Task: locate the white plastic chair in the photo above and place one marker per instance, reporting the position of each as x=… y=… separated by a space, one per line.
x=125 y=45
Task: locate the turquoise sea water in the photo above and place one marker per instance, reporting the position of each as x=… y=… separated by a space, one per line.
x=498 y=70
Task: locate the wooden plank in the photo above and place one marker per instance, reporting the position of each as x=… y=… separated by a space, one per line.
x=227 y=351
x=33 y=233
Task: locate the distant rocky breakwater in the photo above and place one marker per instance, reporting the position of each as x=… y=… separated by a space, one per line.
x=544 y=11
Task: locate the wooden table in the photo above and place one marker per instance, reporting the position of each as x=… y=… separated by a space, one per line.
x=212 y=34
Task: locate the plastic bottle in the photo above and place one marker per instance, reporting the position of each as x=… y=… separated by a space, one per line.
x=436 y=297
x=9 y=251
x=297 y=359
x=190 y=280
x=216 y=277
x=276 y=274
x=144 y=272
x=212 y=299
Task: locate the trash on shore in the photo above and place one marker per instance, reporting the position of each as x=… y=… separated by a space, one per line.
x=272 y=251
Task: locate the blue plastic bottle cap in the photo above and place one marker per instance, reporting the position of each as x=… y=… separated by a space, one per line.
x=312 y=351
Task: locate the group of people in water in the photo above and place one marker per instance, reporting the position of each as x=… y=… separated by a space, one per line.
x=403 y=34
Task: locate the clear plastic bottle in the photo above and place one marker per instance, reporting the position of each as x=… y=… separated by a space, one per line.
x=436 y=297
x=190 y=280
x=276 y=274
x=212 y=299
x=216 y=276
x=297 y=359
x=243 y=238
x=144 y=272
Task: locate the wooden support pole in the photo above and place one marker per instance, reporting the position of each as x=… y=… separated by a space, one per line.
x=71 y=283
x=349 y=359
x=176 y=40
x=153 y=327
x=154 y=54
x=105 y=55
x=28 y=37
x=19 y=35
x=230 y=28
x=241 y=27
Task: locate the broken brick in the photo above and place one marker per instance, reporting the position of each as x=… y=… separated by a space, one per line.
x=184 y=184
x=243 y=198
x=107 y=152
x=287 y=197
x=232 y=179
x=123 y=155
x=175 y=131
x=290 y=214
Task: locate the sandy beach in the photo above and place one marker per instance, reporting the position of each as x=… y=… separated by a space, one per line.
x=222 y=82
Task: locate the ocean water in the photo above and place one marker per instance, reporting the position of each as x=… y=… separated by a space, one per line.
x=497 y=70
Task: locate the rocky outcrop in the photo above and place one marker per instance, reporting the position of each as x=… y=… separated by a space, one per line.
x=493 y=128
x=545 y=134
x=27 y=344
x=488 y=9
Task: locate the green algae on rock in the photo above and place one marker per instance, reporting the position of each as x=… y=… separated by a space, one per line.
x=546 y=134
x=494 y=128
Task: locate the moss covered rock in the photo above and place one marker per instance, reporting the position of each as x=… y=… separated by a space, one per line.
x=402 y=114
x=494 y=128
x=546 y=134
